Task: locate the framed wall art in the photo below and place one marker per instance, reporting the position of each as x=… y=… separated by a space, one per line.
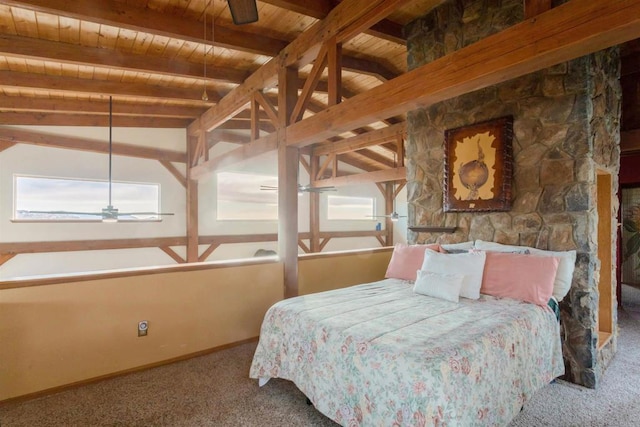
x=478 y=166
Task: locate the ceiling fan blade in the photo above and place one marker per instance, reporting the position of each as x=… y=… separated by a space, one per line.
x=64 y=213
x=146 y=213
x=243 y=11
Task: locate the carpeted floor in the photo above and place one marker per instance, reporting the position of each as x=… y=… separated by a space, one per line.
x=215 y=390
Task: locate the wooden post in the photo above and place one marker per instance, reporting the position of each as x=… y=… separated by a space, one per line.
x=334 y=65
x=314 y=208
x=287 y=183
x=388 y=210
x=192 y=203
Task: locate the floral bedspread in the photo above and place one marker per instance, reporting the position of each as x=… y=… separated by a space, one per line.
x=380 y=355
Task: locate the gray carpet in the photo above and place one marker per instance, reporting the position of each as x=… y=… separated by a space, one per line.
x=214 y=390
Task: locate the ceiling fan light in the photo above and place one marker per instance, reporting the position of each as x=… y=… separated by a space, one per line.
x=109 y=214
x=243 y=11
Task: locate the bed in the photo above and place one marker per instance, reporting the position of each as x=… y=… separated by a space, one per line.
x=381 y=354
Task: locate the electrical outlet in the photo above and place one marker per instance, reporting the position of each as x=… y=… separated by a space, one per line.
x=143 y=328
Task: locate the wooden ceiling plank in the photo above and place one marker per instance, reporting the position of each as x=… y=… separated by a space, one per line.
x=99 y=87
x=568 y=31
x=122 y=15
x=15 y=135
x=341 y=17
x=45 y=50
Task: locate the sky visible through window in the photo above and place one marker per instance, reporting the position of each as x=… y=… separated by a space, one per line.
x=350 y=208
x=73 y=195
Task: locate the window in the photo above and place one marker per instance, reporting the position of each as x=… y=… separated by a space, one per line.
x=81 y=200
x=342 y=207
x=242 y=196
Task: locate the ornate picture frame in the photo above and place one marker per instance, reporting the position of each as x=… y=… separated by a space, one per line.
x=478 y=167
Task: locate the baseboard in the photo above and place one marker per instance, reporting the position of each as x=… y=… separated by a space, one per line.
x=77 y=384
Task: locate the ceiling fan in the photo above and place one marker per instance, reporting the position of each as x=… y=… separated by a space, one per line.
x=108 y=214
x=302 y=188
x=243 y=11
x=394 y=216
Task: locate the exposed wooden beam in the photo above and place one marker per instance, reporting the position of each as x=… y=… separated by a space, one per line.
x=175 y=172
x=397 y=174
x=359 y=161
x=347 y=16
x=374 y=137
x=15 y=135
x=382 y=161
x=21 y=103
x=385 y=29
x=571 y=30
x=533 y=8
x=218 y=135
x=67 y=53
x=57 y=119
x=263 y=145
x=87 y=245
x=100 y=87
x=177 y=258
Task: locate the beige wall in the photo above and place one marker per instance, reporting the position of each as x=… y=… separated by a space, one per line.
x=323 y=272
x=60 y=334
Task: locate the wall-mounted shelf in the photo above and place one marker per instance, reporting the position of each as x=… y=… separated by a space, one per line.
x=431 y=229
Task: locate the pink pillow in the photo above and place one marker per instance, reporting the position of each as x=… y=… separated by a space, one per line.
x=525 y=277
x=406 y=260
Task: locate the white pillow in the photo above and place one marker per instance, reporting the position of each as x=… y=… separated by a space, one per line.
x=443 y=286
x=458 y=246
x=567 y=263
x=470 y=264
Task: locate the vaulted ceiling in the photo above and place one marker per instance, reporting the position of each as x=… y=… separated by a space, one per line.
x=60 y=60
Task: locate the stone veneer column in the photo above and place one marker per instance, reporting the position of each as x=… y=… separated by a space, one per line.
x=566 y=127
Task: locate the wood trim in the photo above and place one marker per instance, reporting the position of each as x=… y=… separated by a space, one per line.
x=4 y=257
x=432 y=229
x=177 y=258
x=212 y=247
x=354 y=252
x=113 y=375
x=630 y=141
x=112 y=274
x=20 y=136
x=175 y=172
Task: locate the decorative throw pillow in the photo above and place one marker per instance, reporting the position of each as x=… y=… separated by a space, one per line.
x=470 y=264
x=567 y=263
x=457 y=247
x=406 y=260
x=437 y=285
x=519 y=276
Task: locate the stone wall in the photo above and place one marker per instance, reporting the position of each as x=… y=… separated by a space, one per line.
x=565 y=130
